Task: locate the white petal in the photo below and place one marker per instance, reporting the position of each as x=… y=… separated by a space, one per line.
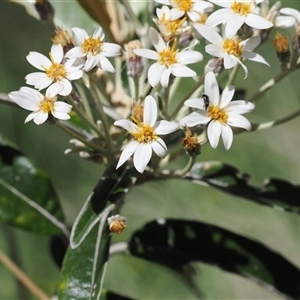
x=31 y=116
x=165 y=127
x=211 y=88
x=189 y=57
x=237 y=120
x=150 y=54
x=105 y=65
x=284 y=21
x=222 y=3
x=62 y=107
x=150 y=111
x=154 y=73
x=39 y=60
x=111 y=50
x=67 y=87
x=53 y=90
x=227 y=136
x=227 y=96
x=74 y=75
x=40 y=117
x=127 y=152
x=126 y=124
x=233 y=25
x=81 y=34
x=215 y=50
x=240 y=107
x=252 y=43
x=292 y=12
x=75 y=52
x=183 y=71
x=142 y=156
x=255 y=57
x=195 y=103
x=230 y=61
x=219 y=16
x=26 y=101
x=160 y=148
x=209 y=34
x=258 y=22
x=165 y=76
x=195 y=118
x=57 y=53
x=38 y=79
x=244 y=67
x=157 y=40
x=98 y=33
x=214 y=130
x=91 y=62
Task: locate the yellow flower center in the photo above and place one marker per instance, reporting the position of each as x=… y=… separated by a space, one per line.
x=217 y=114
x=92 y=45
x=171 y=26
x=144 y=133
x=241 y=8
x=47 y=105
x=56 y=71
x=184 y=5
x=167 y=57
x=232 y=46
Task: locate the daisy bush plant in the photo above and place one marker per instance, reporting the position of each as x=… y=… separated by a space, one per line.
x=147 y=112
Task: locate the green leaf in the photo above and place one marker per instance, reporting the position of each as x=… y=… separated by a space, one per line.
x=276 y=193
x=83 y=278
x=111 y=188
x=27 y=197
x=176 y=243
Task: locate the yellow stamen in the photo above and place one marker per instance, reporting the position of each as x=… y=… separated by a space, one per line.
x=232 y=46
x=47 y=105
x=56 y=71
x=218 y=114
x=168 y=56
x=144 y=133
x=92 y=45
x=241 y=8
x=184 y=5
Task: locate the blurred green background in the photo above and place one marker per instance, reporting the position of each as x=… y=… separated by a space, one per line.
x=269 y=153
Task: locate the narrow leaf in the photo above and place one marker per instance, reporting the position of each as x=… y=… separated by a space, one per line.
x=111 y=188
x=27 y=197
x=175 y=243
x=276 y=193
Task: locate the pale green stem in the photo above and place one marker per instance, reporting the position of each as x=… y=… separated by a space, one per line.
x=85 y=102
x=80 y=112
x=270 y=84
x=103 y=117
x=166 y=103
x=187 y=96
x=187 y=168
x=233 y=75
x=80 y=138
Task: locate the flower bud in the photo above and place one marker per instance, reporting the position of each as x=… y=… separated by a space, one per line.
x=190 y=143
x=281 y=45
x=62 y=37
x=116 y=223
x=134 y=62
x=45 y=10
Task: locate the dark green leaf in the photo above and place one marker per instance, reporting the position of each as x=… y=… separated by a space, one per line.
x=84 y=267
x=27 y=197
x=276 y=193
x=111 y=188
x=175 y=243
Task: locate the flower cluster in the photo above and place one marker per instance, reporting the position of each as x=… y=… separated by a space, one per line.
x=231 y=35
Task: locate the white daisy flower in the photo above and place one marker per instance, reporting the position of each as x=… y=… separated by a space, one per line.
x=145 y=135
x=56 y=73
x=231 y=48
x=40 y=105
x=235 y=13
x=94 y=50
x=169 y=22
x=218 y=112
x=169 y=60
x=190 y=7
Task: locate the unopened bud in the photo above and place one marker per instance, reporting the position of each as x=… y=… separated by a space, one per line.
x=116 y=223
x=190 y=143
x=62 y=37
x=281 y=45
x=216 y=65
x=45 y=10
x=137 y=112
x=134 y=62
